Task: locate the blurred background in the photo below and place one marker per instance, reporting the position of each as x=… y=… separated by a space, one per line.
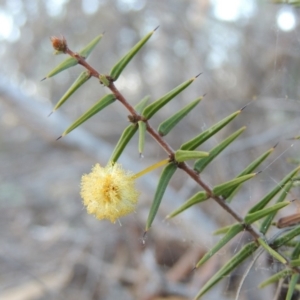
x=247 y=51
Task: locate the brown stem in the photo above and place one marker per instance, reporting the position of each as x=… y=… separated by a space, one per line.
x=81 y=60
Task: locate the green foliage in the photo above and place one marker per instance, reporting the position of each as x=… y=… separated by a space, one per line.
x=259 y=218
x=100 y=105
x=82 y=78
x=122 y=63
x=164 y=179
x=152 y=108
x=166 y=126
x=236 y=260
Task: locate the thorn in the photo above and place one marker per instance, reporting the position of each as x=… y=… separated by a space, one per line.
x=293 y=200
x=50 y=114
x=103 y=32
x=156 y=28
x=144 y=237
x=59 y=137
x=198 y=75
x=193 y=269
x=275 y=145
x=204 y=95
x=258 y=172
x=43 y=78
x=244 y=106
x=141 y=155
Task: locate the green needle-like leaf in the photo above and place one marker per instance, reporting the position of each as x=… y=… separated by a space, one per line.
x=152 y=108
x=286 y=237
x=282 y=274
x=202 y=163
x=261 y=204
x=166 y=126
x=71 y=61
x=183 y=155
x=165 y=177
x=252 y=217
x=268 y=220
x=122 y=63
x=230 y=234
x=292 y=284
x=237 y=259
x=102 y=103
x=224 y=229
x=82 y=78
x=142 y=134
x=126 y=136
x=296 y=251
x=205 y=135
x=86 y=51
x=295 y=262
x=249 y=169
x=224 y=187
x=67 y=63
x=142 y=104
x=197 y=198
x=271 y=251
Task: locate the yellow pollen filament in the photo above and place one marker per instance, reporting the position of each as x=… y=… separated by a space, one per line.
x=151 y=168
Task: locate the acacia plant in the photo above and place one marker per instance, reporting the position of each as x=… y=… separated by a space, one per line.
x=109 y=192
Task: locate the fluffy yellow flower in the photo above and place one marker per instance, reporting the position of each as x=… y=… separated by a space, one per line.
x=109 y=192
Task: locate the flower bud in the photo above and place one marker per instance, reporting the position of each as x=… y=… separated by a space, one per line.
x=59 y=44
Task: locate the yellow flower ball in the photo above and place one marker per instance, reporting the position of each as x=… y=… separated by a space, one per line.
x=109 y=192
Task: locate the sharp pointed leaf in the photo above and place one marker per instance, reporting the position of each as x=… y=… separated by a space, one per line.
x=269 y=219
x=202 y=163
x=205 y=135
x=282 y=274
x=252 y=217
x=295 y=262
x=152 y=108
x=67 y=63
x=230 y=234
x=102 y=103
x=224 y=187
x=261 y=204
x=122 y=63
x=197 y=198
x=165 y=127
x=82 y=78
x=86 y=51
x=286 y=237
x=296 y=251
x=292 y=285
x=183 y=155
x=126 y=136
x=164 y=179
x=271 y=251
x=237 y=259
x=249 y=169
x=224 y=229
